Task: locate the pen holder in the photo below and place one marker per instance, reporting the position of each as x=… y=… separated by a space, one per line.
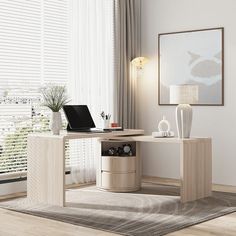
x=106 y=124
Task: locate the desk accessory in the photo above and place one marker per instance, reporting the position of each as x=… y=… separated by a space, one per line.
x=114 y=129
x=80 y=120
x=106 y=120
x=163 y=129
x=184 y=95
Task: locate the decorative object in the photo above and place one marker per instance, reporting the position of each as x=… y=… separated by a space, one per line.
x=184 y=95
x=55 y=98
x=139 y=62
x=124 y=150
x=112 y=151
x=56 y=123
x=162 y=124
x=106 y=120
x=163 y=129
x=127 y=150
x=192 y=57
x=147 y=212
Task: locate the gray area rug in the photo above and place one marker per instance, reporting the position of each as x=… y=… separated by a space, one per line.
x=155 y=210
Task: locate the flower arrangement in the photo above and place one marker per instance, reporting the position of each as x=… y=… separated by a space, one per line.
x=55 y=97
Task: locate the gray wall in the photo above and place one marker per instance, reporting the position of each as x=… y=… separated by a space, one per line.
x=159 y=16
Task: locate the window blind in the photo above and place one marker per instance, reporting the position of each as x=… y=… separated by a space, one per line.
x=33 y=52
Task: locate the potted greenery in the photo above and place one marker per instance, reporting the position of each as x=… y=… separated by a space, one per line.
x=55 y=98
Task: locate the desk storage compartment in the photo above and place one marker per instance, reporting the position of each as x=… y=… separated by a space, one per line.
x=117 y=145
x=118 y=164
x=118 y=171
x=116 y=182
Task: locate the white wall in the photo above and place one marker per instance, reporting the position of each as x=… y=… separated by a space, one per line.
x=160 y=16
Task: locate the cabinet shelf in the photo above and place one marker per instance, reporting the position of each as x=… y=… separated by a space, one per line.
x=118 y=173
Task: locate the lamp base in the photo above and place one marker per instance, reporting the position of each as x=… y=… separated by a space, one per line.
x=184 y=116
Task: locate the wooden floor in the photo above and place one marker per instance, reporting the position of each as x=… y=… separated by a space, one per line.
x=18 y=224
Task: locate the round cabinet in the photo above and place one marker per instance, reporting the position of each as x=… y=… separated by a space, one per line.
x=121 y=171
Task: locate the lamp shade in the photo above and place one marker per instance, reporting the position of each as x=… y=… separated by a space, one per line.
x=184 y=94
x=139 y=62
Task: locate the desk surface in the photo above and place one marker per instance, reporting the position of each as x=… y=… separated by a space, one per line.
x=77 y=135
x=160 y=140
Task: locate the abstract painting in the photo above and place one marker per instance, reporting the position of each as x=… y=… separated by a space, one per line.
x=192 y=57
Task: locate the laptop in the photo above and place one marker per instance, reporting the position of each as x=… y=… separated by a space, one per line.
x=80 y=120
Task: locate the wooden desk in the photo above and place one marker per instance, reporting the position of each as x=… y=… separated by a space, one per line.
x=195 y=164
x=46 y=163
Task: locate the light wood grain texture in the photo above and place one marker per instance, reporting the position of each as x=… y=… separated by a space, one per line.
x=119 y=164
x=78 y=135
x=150 y=139
x=195 y=164
x=195 y=169
x=46 y=170
x=123 y=182
x=222 y=226
x=138 y=166
x=46 y=163
x=18 y=224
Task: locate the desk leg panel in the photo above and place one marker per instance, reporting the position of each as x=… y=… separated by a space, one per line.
x=46 y=170
x=195 y=169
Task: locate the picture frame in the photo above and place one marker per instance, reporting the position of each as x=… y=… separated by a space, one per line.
x=192 y=57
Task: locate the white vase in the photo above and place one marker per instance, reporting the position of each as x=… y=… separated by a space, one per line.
x=56 y=123
x=184 y=116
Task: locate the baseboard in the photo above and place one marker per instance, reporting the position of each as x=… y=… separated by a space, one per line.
x=12 y=195
x=176 y=182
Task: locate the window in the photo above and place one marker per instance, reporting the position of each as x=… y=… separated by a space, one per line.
x=64 y=42
x=34 y=42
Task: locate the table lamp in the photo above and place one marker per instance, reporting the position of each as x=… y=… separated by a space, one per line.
x=184 y=95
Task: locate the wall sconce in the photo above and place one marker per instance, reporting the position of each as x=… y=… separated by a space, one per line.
x=139 y=62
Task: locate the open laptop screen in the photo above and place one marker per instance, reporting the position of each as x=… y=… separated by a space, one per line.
x=78 y=117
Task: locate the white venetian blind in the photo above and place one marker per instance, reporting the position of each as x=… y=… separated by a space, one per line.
x=55 y=38
x=33 y=52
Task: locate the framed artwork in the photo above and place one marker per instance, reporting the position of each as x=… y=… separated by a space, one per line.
x=192 y=57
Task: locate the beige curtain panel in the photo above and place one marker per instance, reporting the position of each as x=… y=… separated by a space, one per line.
x=127 y=47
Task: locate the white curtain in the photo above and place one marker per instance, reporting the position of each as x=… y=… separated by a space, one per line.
x=91 y=74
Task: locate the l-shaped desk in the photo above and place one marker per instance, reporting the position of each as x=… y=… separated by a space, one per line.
x=46 y=163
